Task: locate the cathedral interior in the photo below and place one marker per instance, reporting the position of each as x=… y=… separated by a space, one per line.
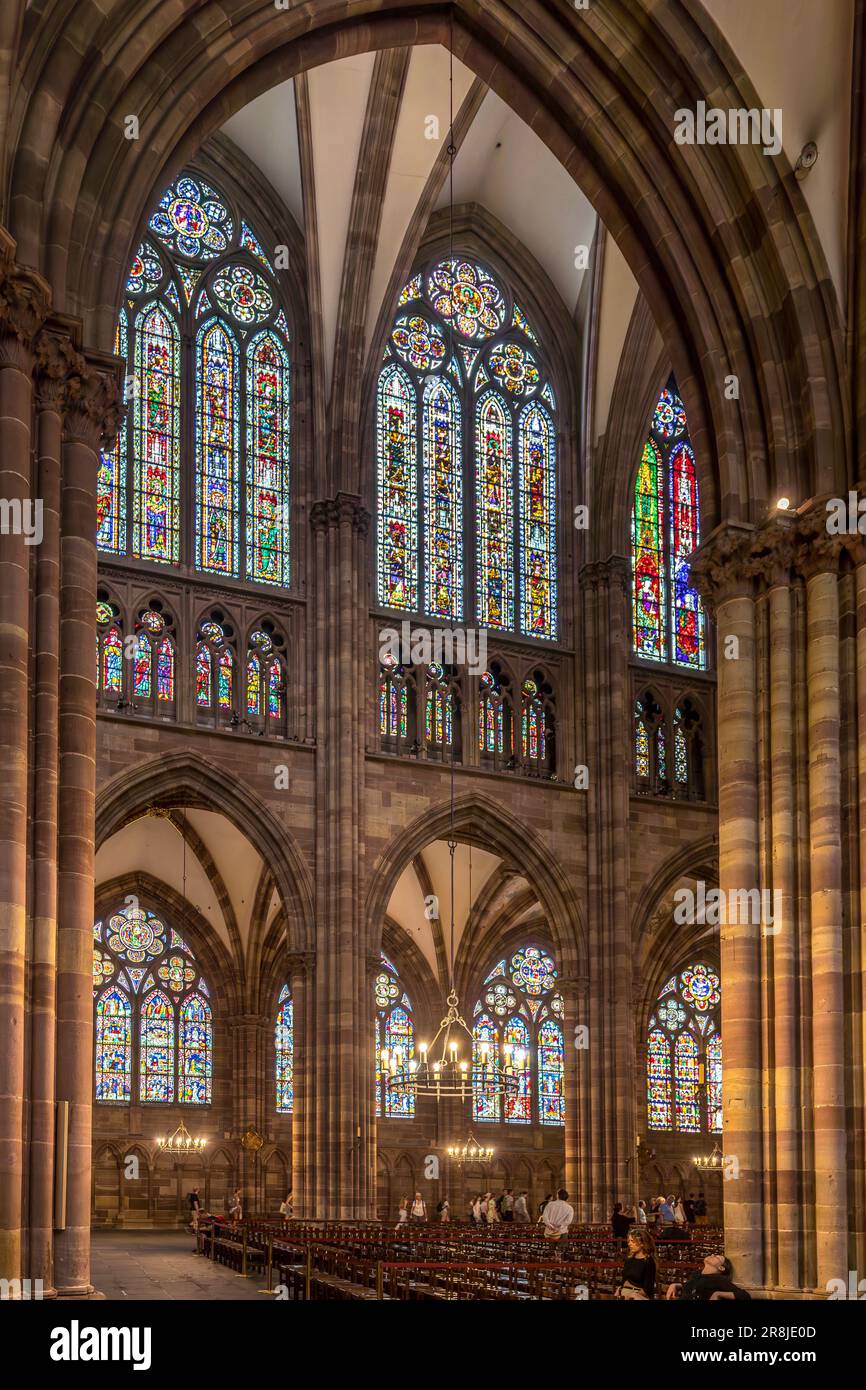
x=418 y=603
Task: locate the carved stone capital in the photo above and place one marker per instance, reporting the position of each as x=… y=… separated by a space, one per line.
x=774 y=551
x=300 y=962
x=337 y=511
x=25 y=301
x=56 y=363
x=818 y=551
x=93 y=406
x=613 y=573
x=720 y=568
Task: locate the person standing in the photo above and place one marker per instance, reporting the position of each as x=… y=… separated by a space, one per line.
x=620 y=1223
x=640 y=1215
x=507 y=1209
x=679 y=1213
x=492 y=1210
x=689 y=1208
x=194 y=1208
x=475 y=1211
x=403 y=1213
x=236 y=1206
x=287 y=1209
x=444 y=1210
x=419 y=1210
x=700 y=1210
x=521 y=1209
x=556 y=1218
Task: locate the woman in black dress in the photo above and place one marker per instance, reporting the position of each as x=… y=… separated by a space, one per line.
x=639 y=1270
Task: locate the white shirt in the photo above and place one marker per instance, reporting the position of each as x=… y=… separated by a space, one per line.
x=418 y=1208
x=558 y=1216
x=641 y=1216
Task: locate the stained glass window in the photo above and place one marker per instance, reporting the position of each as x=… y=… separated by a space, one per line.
x=398 y=489
x=438 y=731
x=669 y=623
x=395 y=1043
x=157 y=1048
x=515 y=1046
x=493 y=717
x=112 y=660
x=464 y=324
x=537 y=462
x=111 y=480
x=659 y=1086
x=268 y=435
x=217 y=484
x=533 y=730
x=165 y=670
x=485 y=1050
x=521 y=991
x=225 y=668
x=241 y=479
x=443 y=502
x=141 y=667
x=275 y=686
x=393 y=702
x=153 y=1036
x=686 y=1075
x=551 y=1072
x=284 y=1048
x=641 y=743
x=495 y=502
x=196 y=1063
x=203 y=676
x=714 y=1082
x=156 y=437
x=684 y=1054
x=113 y=1046
x=254 y=685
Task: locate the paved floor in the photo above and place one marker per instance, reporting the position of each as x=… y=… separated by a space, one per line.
x=162 y=1264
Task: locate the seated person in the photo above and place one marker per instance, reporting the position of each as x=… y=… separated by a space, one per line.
x=713 y=1282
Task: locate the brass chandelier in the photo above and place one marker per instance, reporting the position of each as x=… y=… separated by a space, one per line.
x=711 y=1161
x=470 y=1152
x=180 y=1141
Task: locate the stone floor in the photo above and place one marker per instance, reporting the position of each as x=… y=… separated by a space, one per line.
x=162 y=1264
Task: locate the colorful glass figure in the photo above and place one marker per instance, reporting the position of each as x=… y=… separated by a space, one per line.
x=551 y=1073
x=284 y=1053
x=443 y=501
x=684 y=1035
x=485 y=1052
x=395 y=1032
x=112 y=661
x=111 y=479
x=537 y=467
x=157 y=1050
x=196 y=1047
x=515 y=1046
x=254 y=685
x=156 y=437
x=398 y=489
x=267 y=483
x=113 y=1056
x=494 y=502
x=669 y=623
x=192 y=220
x=217 y=429
x=202 y=676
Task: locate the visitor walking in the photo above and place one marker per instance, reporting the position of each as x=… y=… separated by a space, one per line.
x=620 y=1223
x=506 y=1210
x=419 y=1209
x=403 y=1213
x=521 y=1209
x=236 y=1207
x=700 y=1210
x=287 y=1209
x=492 y=1210
x=444 y=1210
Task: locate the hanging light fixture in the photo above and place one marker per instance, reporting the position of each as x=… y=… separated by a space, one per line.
x=180 y=1141
x=709 y=1161
x=470 y=1152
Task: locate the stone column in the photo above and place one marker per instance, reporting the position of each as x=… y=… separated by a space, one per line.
x=576 y=1052
x=782 y=935
x=300 y=967
x=54 y=356
x=341 y=1185
x=820 y=566
x=722 y=570
x=90 y=407
x=23 y=306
